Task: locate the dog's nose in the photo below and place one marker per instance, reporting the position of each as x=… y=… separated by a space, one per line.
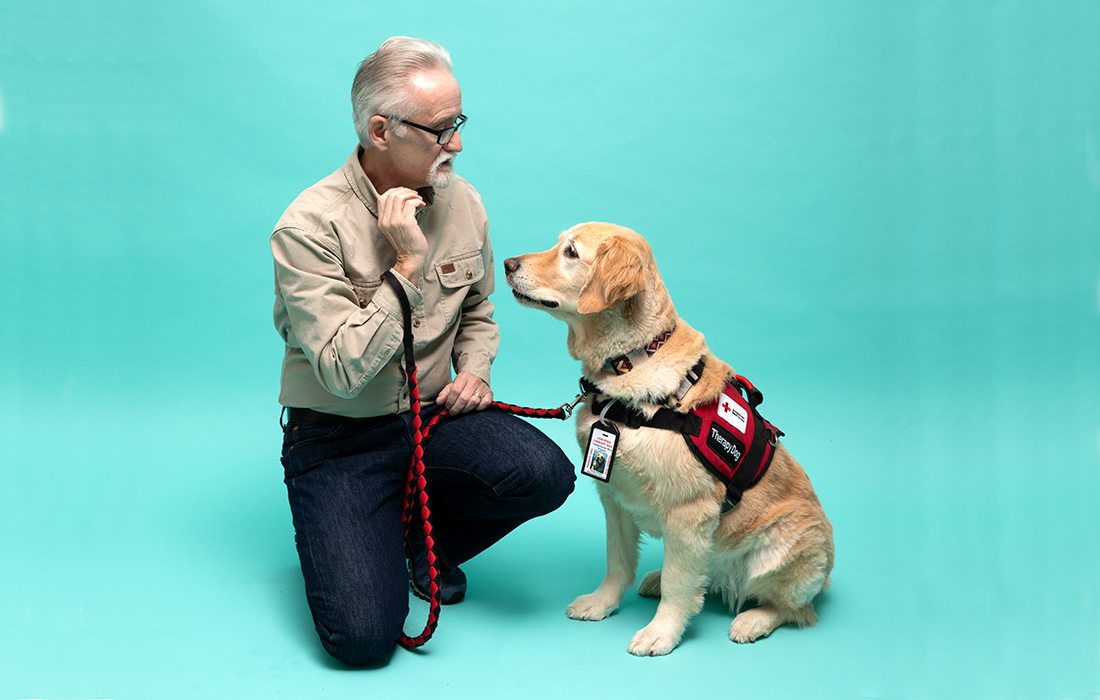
x=511 y=265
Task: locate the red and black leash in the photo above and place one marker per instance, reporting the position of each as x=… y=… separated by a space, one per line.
x=416 y=485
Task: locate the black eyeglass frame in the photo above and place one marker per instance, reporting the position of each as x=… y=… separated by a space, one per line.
x=460 y=122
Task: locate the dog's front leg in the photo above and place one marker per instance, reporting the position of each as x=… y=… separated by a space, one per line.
x=622 y=564
x=688 y=539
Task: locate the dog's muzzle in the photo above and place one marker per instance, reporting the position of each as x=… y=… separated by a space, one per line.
x=531 y=300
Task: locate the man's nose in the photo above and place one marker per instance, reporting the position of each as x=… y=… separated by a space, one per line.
x=511 y=265
x=455 y=144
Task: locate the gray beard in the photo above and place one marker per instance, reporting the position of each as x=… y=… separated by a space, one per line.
x=440 y=180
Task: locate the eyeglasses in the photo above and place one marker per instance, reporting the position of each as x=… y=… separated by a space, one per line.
x=442 y=136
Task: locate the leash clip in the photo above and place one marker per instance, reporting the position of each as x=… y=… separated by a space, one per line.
x=567 y=408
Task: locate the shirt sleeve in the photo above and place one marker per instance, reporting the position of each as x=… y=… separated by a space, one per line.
x=346 y=344
x=478 y=337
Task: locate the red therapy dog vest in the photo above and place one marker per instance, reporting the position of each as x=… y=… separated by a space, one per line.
x=728 y=435
x=734 y=441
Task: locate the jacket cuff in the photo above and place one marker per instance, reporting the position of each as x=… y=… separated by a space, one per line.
x=477 y=365
x=386 y=299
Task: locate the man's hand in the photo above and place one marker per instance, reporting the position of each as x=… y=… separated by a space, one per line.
x=466 y=393
x=397 y=209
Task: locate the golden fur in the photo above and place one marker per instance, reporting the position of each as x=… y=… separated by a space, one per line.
x=775 y=548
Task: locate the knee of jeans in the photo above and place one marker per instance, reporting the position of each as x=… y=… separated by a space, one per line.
x=361 y=644
x=554 y=479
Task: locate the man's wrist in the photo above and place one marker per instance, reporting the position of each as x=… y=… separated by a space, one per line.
x=411 y=268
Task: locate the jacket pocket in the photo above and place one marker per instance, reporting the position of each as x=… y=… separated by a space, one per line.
x=460 y=270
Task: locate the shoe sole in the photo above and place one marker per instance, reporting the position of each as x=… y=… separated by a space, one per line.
x=456 y=598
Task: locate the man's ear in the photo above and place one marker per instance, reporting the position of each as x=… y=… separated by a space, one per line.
x=377 y=132
x=617 y=273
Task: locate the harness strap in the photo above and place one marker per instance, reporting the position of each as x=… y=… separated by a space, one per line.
x=664 y=418
x=690 y=379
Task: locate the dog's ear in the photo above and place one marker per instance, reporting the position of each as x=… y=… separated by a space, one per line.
x=617 y=273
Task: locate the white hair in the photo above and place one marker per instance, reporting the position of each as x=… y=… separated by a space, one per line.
x=381 y=83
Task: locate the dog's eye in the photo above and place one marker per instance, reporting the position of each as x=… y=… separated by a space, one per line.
x=570 y=251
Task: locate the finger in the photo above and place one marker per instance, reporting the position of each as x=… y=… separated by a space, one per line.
x=397 y=192
x=390 y=203
x=466 y=400
x=409 y=207
x=383 y=211
x=452 y=397
x=403 y=196
x=486 y=399
x=386 y=211
x=457 y=388
x=460 y=382
x=442 y=398
x=475 y=394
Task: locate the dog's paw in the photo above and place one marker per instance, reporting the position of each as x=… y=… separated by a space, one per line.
x=654 y=639
x=591 y=606
x=753 y=624
x=650 y=587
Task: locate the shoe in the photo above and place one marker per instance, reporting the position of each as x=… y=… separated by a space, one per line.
x=450 y=579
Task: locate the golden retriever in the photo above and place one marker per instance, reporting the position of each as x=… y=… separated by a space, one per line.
x=774 y=548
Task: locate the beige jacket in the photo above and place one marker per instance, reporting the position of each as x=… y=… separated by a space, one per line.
x=342 y=325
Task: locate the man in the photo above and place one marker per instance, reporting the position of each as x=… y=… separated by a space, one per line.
x=395 y=205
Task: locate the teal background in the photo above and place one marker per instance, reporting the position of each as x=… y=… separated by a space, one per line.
x=884 y=213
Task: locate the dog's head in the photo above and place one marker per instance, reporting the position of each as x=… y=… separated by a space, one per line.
x=595 y=267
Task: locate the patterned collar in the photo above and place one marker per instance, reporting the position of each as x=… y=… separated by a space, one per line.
x=624 y=363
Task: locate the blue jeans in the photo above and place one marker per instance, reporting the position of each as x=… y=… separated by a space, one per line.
x=487 y=473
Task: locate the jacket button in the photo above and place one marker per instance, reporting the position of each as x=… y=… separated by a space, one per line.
x=469 y=274
x=416 y=323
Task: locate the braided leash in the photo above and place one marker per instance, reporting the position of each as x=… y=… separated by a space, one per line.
x=416 y=485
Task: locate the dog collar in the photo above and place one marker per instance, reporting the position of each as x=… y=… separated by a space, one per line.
x=621 y=364
x=589 y=388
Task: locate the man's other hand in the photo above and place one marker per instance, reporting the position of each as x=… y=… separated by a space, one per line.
x=466 y=393
x=397 y=209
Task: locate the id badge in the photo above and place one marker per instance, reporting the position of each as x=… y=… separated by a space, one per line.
x=600 y=452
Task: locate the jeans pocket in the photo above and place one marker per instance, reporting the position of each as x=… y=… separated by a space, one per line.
x=514 y=482
x=303 y=445
x=300 y=434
